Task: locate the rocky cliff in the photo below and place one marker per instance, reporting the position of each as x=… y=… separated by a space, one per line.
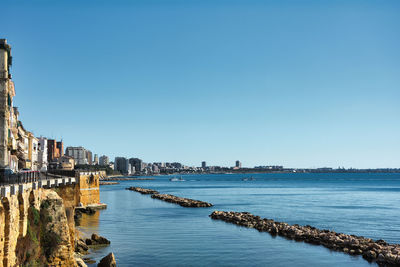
x=36 y=230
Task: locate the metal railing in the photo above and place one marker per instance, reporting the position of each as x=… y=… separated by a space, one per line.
x=20 y=177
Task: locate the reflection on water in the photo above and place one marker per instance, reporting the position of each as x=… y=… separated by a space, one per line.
x=87 y=225
x=89 y=222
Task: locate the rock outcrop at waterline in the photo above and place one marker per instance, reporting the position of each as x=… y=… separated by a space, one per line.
x=184 y=202
x=143 y=191
x=107 y=261
x=96 y=240
x=383 y=253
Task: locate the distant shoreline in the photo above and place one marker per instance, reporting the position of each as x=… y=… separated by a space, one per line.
x=267 y=172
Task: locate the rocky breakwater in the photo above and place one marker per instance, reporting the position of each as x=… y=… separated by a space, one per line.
x=184 y=202
x=382 y=253
x=143 y=191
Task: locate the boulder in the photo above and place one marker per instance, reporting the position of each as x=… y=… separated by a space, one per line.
x=81 y=246
x=108 y=261
x=99 y=240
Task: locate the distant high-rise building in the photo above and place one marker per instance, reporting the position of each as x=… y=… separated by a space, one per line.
x=54 y=150
x=238 y=164
x=203 y=164
x=155 y=168
x=104 y=160
x=96 y=159
x=121 y=164
x=89 y=157
x=80 y=154
x=42 y=156
x=137 y=163
x=60 y=148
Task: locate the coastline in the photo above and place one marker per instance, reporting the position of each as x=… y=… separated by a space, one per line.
x=158 y=212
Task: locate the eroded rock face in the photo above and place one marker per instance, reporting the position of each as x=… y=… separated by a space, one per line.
x=143 y=191
x=81 y=247
x=108 y=261
x=80 y=262
x=54 y=233
x=383 y=253
x=184 y=202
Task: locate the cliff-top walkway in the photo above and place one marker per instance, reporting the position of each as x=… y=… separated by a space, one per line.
x=12 y=184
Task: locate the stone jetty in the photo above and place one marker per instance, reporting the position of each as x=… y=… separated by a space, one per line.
x=143 y=191
x=107 y=183
x=382 y=253
x=184 y=202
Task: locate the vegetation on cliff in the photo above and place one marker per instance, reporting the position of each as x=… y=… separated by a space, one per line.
x=47 y=239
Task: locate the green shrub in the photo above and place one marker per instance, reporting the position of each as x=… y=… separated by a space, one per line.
x=45 y=204
x=32 y=234
x=35 y=215
x=49 y=241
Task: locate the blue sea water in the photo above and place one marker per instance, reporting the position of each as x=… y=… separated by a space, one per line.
x=149 y=232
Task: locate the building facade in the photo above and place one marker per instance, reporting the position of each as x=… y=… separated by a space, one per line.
x=54 y=150
x=137 y=164
x=121 y=164
x=42 y=154
x=89 y=157
x=79 y=154
x=104 y=160
x=6 y=95
x=96 y=159
x=238 y=164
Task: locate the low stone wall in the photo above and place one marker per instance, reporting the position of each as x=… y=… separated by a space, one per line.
x=383 y=253
x=184 y=202
x=143 y=191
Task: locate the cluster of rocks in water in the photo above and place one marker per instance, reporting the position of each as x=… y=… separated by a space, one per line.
x=80 y=211
x=184 y=202
x=143 y=191
x=82 y=245
x=96 y=240
x=82 y=248
x=383 y=253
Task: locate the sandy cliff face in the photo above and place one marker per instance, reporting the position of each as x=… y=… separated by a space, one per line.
x=35 y=230
x=55 y=238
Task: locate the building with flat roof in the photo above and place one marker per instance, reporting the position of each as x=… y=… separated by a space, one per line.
x=79 y=154
x=121 y=164
x=104 y=160
x=238 y=164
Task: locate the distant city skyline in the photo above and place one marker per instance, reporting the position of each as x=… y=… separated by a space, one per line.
x=303 y=84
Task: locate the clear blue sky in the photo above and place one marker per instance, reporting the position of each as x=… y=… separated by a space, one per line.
x=294 y=83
